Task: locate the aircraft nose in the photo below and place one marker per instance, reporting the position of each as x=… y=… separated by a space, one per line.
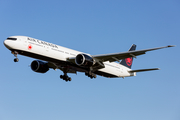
x=6 y=43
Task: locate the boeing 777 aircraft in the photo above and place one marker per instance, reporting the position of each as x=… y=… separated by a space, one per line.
x=71 y=61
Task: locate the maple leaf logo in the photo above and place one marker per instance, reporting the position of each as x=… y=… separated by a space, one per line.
x=128 y=61
x=29 y=47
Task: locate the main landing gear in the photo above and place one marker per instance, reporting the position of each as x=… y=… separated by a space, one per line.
x=90 y=74
x=65 y=77
x=15 y=54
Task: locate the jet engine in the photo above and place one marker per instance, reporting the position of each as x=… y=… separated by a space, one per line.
x=84 y=60
x=39 y=66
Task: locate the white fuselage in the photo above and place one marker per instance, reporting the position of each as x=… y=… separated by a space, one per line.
x=40 y=50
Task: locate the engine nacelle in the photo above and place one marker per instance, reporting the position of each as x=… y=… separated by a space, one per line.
x=39 y=66
x=84 y=60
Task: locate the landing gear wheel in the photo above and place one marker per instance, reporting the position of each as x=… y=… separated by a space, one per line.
x=16 y=60
x=69 y=79
x=65 y=77
x=61 y=76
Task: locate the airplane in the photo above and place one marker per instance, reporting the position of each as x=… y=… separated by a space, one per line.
x=52 y=56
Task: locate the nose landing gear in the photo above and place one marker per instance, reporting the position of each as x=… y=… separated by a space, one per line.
x=15 y=54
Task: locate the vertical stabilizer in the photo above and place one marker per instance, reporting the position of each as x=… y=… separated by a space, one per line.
x=128 y=61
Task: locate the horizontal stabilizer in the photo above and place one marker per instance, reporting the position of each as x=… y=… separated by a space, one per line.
x=143 y=70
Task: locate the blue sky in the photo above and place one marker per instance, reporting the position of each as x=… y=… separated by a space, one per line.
x=95 y=27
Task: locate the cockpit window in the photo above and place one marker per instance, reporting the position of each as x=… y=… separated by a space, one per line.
x=11 y=38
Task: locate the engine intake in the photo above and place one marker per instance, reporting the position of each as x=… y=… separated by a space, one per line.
x=84 y=60
x=39 y=66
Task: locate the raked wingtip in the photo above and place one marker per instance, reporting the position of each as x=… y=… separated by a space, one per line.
x=171 y=45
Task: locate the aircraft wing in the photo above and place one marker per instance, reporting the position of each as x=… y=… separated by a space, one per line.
x=118 y=56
